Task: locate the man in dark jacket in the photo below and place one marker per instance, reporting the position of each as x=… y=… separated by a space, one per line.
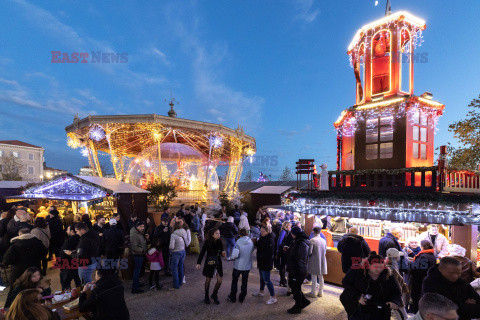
x=229 y=231
x=297 y=258
x=26 y=251
x=114 y=241
x=163 y=232
x=68 y=269
x=56 y=231
x=106 y=299
x=87 y=252
x=68 y=219
x=445 y=280
x=418 y=269
x=353 y=247
x=19 y=221
x=390 y=241
x=100 y=226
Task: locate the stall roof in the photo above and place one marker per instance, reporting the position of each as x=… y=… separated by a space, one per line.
x=248 y=186
x=112 y=184
x=272 y=189
x=12 y=184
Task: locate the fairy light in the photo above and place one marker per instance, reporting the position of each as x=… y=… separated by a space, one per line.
x=97 y=133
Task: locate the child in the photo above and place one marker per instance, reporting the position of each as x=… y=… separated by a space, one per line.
x=156 y=263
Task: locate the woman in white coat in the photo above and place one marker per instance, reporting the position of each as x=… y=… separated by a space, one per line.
x=317 y=262
x=244 y=222
x=440 y=243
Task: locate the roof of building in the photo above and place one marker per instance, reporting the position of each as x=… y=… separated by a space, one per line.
x=53 y=169
x=19 y=143
x=272 y=189
x=250 y=186
x=12 y=184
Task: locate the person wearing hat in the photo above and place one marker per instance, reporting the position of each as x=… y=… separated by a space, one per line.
x=297 y=257
x=114 y=240
x=469 y=268
x=392 y=262
x=138 y=248
x=163 y=232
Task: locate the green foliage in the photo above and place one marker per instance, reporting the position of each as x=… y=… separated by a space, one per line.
x=161 y=194
x=224 y=201
x=11 y=167
x=287 y=175
x=248 y=207
x=467 y=132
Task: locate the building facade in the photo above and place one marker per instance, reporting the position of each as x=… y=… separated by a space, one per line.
x=50 y=173
x=30 y=159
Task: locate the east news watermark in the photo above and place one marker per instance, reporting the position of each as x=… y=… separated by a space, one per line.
x=89 y=57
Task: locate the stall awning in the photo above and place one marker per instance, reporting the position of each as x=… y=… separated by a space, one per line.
x=272 y=190
x=78 y=188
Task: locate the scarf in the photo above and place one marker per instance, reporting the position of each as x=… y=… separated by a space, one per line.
x=424 y=251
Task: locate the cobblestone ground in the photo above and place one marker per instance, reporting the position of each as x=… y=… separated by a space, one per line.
x=187 y=303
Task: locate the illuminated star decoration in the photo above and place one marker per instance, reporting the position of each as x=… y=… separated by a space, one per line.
x=216 y=141
x=84 y=152
x=97 y=133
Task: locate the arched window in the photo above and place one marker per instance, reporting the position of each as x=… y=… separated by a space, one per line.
x=359 y=69
x=405 y=50
x=381 y=62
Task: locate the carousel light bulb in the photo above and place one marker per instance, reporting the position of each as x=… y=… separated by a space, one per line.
x=84 y=152
x=216 y=142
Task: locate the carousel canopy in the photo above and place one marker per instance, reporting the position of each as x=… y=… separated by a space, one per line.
x=78 y=188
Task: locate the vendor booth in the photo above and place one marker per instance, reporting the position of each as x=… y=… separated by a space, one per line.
x=91 y=195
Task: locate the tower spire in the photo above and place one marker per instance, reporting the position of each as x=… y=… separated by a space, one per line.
x=171 y=112
x=388 y=9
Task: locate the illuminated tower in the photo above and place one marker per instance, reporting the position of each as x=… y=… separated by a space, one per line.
x=388 y=127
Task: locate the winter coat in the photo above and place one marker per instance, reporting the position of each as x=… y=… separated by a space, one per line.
x=418 y=269
x=413 y=253
x=469 y=269
x=88 y=246
x=25 y=251
x=458 y=292
x=114 y=240
x=162 y=235
x=56 y=231
x=387 y=242
x=179 y=240
x=317 y=256
x=245 y=247
x=68 y=220
x=14 y=226
x=441 y=243
x=43 y=235
x=297 y=255
x=155 y=258
x=357 y=282
x=99 y=229
x=70 y=244
x=195 y=224
x=352 y=247
x=210 y=249
x=106 y=301
x=243 y=224
x=265 y=252
x=138 y=243
x=416 y=317
x=229 y=230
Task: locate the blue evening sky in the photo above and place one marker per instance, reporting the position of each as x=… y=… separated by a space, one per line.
x=278 y=68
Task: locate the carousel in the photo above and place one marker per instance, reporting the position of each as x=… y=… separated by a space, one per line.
x=148 y=148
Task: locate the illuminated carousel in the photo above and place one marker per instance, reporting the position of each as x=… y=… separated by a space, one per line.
x=148 y=148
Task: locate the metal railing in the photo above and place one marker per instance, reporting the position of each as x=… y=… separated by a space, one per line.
x=461 y=181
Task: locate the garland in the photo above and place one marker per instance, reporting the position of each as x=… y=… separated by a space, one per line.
x=382 y=171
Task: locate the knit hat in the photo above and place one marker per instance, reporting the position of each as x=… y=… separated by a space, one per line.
x=138 y=223
x=296 y=231
x=394 y=253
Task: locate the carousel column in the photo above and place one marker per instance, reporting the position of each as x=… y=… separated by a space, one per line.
x=113 y=158
x=158 y=138
x=95 y=159
x=466 y=236
x=90 y=159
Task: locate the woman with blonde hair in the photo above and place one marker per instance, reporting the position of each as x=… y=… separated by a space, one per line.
x=281 y=253
x=26 y=306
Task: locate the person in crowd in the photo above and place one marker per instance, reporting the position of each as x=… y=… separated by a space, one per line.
x=163 y=233
x=69 y=272
x=154 y=256
x=243 y=224
x=445 y=280
x=194 y=229
x=223 y=214
x=188 y=217
x=114 y=241
x=19 y=221
x=370 y=291
x=340 y=225
x=203 y=223
x=78 y=217
x=26 y=251
x=281 y=251
x=255 y=231
x=390 y=240
x=150 y=227
x=418 y=270
x=132 y=221
x=392 y=262
x=241 y=266
x=353 y=248
x=469 y=268
x=4 y=238
x=229 y=231
x=87 y=221
x=412 y=248
x=327 y=223
x=56 y=231
x=30 y=279
x=104 y=298
x=317 y=262
x=433 y=306
x=236 y=215
x=289 y=216
x=166 y=214
x=100 y=225
x=213 y=252
x=42 y=232
x=138 y=248
x=265 y=256
x=27 y=306
x=88 y=250
x=276 y=229
x=297 y=257
x=439 y=241
x=68 y=218
x=179 y=241
x=181 y=211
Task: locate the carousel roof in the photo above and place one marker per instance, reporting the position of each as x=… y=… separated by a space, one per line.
x=131 y=134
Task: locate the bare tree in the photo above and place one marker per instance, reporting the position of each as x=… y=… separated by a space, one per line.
x=10 y=168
